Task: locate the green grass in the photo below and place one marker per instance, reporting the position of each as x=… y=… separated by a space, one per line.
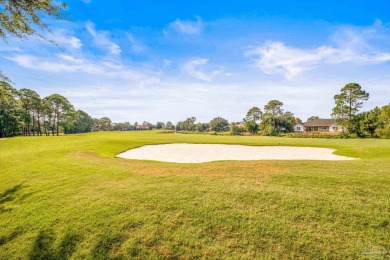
x=69 y=197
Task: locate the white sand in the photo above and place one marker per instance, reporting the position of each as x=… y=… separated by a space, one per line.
x=198 y=153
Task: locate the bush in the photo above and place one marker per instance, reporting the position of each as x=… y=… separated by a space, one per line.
x=235 y=130
x=316 y=135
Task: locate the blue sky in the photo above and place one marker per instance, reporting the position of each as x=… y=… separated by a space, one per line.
x=169 y=60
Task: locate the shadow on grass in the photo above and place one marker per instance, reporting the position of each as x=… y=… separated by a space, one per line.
x=106 y=245
x=44 y=247
x=8 y=196
x=8 y=238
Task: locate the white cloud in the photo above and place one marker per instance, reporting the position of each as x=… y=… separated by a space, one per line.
x=166 y=63
x=102 y=39
x=196 y=68
x=274 y=57
x=128 y=90
x=66 y=63
x=136 y=46
x=187 y=27
x=66 y=39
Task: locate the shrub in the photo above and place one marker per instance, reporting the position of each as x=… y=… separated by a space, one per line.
x=314 y=135
x=235 y=130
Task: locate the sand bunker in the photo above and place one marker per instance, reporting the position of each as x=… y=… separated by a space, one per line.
x=198 y=153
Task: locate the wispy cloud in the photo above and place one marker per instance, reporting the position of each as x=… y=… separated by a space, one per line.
x=128 y=87
x=275 y=57
x=65 y=38
x=187 y=27
x=166 y=63
x=63 y=63
x=135 y=45
x=200 y=69
x=102 y=39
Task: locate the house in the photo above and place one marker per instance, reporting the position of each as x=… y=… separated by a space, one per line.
x=320 y=125
x=298 y=127
x=142 y=127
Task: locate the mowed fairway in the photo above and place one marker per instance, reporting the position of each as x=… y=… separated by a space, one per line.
x=68 y=196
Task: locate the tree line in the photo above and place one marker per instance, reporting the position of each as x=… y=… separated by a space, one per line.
x=270 y=122
x=24 y=112
x=217 y=124
x=373 y=123
x=273 y=120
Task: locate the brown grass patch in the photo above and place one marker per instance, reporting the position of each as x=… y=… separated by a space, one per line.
x=258 y=170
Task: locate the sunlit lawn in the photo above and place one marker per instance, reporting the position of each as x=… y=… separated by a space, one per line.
x=68 y=196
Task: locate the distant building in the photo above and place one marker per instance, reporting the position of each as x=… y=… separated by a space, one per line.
x=298 y=127
x=142 y=127
x=318 y=126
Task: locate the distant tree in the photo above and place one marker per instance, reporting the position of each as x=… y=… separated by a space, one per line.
x=252 y=119
x=61 y=110
x=10 y=110
x=121 y=126
x=286 y=121
x=272 y=113
x=127 y=126
x=47 y=116
x=179 y=126
x=23 y=18
x=31 y=104
x=83 y=123
x=254 y=114
x=312 y=118
x=354 y=124
x=169 y=126
x=251 y=126
x=149 y=125
x=199 y=127
x=218 y=124
x=160 y=125
x=38 y=108
x=186 y=125
x=205 y=126
x=275 y=120
x=189 y=124
x=235 y=130
x=348 y=103
x=383 y=131
x=105 y=124
x=370 y=121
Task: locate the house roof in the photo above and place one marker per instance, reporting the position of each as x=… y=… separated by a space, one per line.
x=320 y=122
